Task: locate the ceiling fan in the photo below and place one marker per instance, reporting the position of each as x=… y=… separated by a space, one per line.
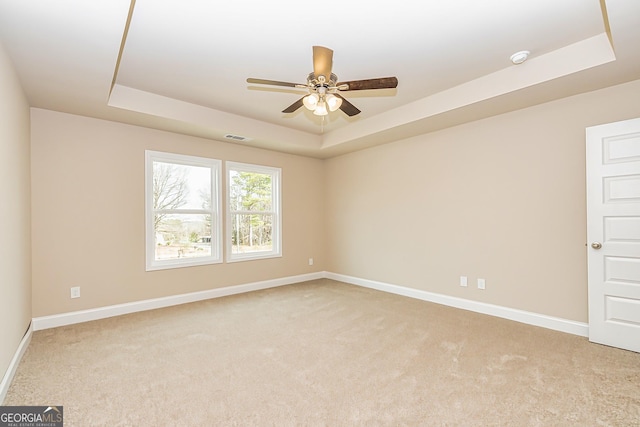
x=323 y=87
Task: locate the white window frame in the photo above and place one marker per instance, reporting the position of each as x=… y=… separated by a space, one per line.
x=276 y=203
x=216 y=201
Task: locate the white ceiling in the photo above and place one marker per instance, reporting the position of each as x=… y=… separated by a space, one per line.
x=182 y=65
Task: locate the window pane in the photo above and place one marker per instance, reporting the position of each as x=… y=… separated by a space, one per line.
x=178 y=186
x=182 y=236
x=253 y=212
x=250 y=191
x=252 y=233
x=182 y=220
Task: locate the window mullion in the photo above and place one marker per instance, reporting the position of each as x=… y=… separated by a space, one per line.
x=252 y=212
x=184 y=211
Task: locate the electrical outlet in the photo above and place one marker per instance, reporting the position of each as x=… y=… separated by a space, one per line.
x=463 y=281
x=75 y=292
x=481 y=283
x=310 y=261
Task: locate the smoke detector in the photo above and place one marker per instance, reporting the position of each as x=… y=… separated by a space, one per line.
x=519 y=57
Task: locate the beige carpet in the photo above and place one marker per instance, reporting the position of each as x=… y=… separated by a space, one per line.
x=324 y=353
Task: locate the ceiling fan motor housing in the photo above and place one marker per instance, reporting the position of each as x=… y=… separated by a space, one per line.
x=321 y=81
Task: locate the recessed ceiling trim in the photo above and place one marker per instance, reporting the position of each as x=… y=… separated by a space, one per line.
x=123 y=42
x=605 y=19
x=576 y=57
x=161 y=106
x=570 y=59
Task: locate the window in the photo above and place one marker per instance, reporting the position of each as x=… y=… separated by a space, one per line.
x=183 y=224
x=253 y=206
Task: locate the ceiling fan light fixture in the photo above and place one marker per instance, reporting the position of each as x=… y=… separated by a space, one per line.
x=333 y=102
x=311 y=101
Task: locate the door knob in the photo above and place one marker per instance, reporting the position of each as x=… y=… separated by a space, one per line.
x=596 y=245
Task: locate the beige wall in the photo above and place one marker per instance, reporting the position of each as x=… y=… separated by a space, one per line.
x=15 y=193
x=88 y=214
x=501 y=199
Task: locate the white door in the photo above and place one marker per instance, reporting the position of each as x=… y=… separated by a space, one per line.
x=613 y=233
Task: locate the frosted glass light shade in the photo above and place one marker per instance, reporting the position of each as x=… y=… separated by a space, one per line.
x=311 y=101
x=321 y=109
x=333 y=102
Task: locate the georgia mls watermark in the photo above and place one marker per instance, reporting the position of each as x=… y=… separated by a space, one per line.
x=31 y=416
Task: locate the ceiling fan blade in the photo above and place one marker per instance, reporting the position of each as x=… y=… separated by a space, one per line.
x=272 y=82
x=293 y=107
x=381 y=83
x=348 y=108
x=322 y=61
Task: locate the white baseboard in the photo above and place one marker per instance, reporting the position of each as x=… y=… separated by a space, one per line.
x=13 y=366
x=63 y=319
x=530 y=318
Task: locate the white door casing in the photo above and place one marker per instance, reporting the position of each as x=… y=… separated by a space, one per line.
x=613 y=233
